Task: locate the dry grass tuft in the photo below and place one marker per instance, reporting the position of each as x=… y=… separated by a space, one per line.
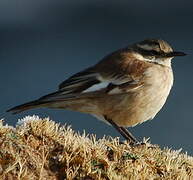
x=42 y=149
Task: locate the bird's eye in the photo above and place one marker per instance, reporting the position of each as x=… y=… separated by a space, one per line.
x=154 y=53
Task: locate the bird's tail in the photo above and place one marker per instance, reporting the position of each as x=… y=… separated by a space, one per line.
x=52 y=100
x=27 y=106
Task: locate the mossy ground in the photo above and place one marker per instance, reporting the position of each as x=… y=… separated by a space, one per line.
x=42 y=149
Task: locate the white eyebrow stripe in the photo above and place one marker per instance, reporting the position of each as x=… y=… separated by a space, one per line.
x=145 y=46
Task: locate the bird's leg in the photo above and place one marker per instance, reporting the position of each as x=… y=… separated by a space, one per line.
x=129 y=134
x=134 y=142
x=123 y=131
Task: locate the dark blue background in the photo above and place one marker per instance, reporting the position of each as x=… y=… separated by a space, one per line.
x=43 y=42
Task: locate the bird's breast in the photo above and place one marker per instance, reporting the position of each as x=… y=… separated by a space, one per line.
x=158 y=82
x=147 y=101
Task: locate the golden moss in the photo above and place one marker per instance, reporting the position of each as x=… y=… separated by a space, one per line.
x=42 y=149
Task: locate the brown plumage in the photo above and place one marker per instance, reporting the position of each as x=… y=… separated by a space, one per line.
x=125 y=88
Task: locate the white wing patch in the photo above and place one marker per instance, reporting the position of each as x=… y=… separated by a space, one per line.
x=105 y=83
x=116 y=90
x=97 y=87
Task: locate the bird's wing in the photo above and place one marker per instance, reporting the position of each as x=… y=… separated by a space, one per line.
x=79 y=82
x=113 y=75
x=117 y=73
x=91 y=81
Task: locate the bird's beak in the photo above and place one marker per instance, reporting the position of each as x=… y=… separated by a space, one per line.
x=175 y=53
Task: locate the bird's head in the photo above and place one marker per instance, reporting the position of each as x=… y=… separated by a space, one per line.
x=155 y=51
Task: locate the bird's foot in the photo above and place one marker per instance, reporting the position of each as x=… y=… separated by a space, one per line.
x=144 y=143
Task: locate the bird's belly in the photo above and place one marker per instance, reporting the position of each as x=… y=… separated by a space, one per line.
x=140 y=106
x=142 y=109
x=145 y=103
x=132 y=108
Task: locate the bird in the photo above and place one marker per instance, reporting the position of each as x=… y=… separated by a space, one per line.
x=125 y=88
